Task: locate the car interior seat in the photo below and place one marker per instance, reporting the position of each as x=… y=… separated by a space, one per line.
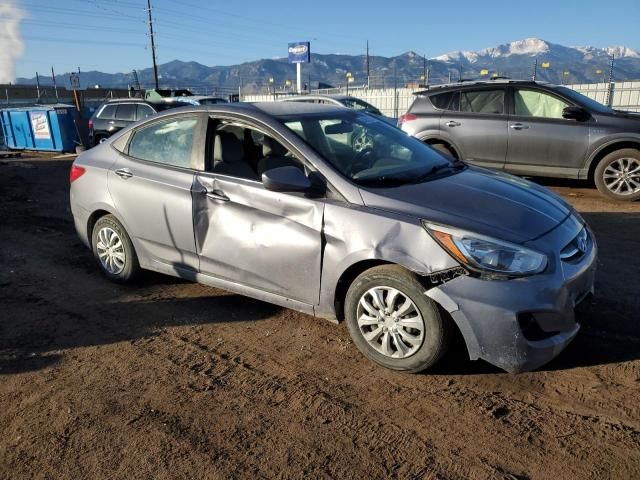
x=228 y=157
x=274 y=155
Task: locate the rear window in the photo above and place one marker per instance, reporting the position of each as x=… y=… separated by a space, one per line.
x=482 y=101
x=108 y=112
x=126 y=112
x=144 y=111
x=442 y=100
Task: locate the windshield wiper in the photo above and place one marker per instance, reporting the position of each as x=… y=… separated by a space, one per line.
x=436 y=168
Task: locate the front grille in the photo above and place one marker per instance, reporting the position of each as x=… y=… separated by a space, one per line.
x=577 y=248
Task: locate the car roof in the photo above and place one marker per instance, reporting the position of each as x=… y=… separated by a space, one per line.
x=327 y=96
x=274 y=109
x=480 y=83
x=127 y=100
x=296 y=108
x=202 y=97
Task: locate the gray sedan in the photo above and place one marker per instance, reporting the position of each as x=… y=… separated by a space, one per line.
x=275 y=201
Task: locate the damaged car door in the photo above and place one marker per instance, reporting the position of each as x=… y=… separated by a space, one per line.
x=250 y=235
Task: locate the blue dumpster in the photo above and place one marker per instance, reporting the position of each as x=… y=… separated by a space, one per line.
x=48 y=128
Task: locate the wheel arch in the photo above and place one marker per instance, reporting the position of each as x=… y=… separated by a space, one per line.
x=433 y=139
x=346 y=279
x=608 y=148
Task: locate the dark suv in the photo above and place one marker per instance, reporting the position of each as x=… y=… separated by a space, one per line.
x=531 y=129
x=114 y=115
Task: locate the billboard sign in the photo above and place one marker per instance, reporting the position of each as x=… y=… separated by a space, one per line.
x=300 y=52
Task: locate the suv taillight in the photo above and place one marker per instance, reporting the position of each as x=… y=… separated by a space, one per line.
x=90 y=124
x=407 y=117
x=75 y=173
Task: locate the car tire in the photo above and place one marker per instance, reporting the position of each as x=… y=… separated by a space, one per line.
x=444 y=149
x=98 y=139
x=113 y=250
x=615 y=166
x=410 y=337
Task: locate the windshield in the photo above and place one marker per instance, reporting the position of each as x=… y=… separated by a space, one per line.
x=358 y=104
x=368 y=150
x=590 y=103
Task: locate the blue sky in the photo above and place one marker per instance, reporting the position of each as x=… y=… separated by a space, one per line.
x=110 y=35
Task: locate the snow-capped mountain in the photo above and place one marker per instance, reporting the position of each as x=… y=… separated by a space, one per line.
x=556 y=63
x=569 y=64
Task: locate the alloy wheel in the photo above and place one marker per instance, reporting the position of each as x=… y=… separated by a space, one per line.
x=622 y=176
x=111 y=251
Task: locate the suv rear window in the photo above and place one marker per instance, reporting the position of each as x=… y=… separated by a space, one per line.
x=108 y=112
x=126 y=112
x=442 y=100
x=482 y=101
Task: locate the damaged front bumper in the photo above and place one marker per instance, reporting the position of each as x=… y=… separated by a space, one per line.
x=519 y=324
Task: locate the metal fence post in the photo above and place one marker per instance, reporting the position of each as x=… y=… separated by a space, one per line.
x=610 y=91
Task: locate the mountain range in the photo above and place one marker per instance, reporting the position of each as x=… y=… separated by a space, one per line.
x=556 y=63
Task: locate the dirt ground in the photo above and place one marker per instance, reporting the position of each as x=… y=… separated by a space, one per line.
x=166 y=379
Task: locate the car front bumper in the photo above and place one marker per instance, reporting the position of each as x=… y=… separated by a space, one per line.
x=490 y=313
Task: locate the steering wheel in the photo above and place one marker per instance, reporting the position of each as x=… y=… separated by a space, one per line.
x=362 y=141
x=363 y=160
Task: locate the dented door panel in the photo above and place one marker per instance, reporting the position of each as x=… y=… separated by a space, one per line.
x=258 y=238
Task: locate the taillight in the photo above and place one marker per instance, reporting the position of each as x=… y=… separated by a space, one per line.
x=90 y=124
x=75 y=173
x=407 y=117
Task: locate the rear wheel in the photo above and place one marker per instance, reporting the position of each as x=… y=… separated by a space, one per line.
x=444 y=149
x=113 y=250
x=393 y=322
x=98 y=139
x=618 y=175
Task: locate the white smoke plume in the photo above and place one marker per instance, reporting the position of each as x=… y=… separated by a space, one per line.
x=11 y=46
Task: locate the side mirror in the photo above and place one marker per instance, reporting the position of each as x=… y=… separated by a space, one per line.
x=575 y=113
x=286 y=179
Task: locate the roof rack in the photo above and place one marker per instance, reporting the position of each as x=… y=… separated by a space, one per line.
x=467 y=82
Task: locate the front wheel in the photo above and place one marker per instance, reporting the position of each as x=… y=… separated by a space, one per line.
x=113 y=250
x=618 y=175
x=393 y=322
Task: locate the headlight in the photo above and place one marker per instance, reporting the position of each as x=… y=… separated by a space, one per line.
x=486 y=254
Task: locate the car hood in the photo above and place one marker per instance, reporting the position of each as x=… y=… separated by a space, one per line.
x=495 y=204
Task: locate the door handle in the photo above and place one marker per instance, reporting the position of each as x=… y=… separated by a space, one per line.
x=451 y=123
x=124 y=173
x=519 y=126
x=111 y=122
x=217 y=195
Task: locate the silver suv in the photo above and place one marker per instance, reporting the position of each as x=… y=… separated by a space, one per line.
x=531 y=129
x=275 y=201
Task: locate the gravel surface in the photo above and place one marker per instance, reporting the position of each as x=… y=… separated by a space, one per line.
x=166 y=379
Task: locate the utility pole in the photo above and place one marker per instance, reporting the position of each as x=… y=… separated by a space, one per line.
x=609 y=84
x=368 y=68
x=55 y=87
x=38 y=85
x=153 y=45
x=424 y=68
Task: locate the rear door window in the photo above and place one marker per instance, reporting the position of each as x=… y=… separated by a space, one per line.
x=126 y=112
x=108 y=112
x=168 y=141
x=143 y=111
x=482 y=101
